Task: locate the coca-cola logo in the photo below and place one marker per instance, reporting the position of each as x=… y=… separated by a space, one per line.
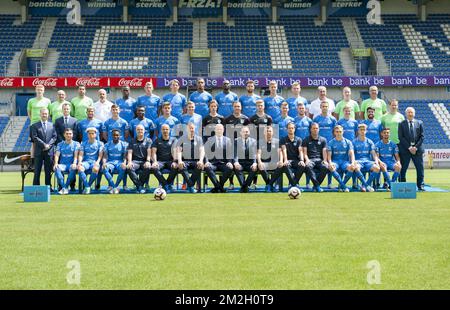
x=88 y=82
x=7 y=82
x=136 y=82
x=49 y=82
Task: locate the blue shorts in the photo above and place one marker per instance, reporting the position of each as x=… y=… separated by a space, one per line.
x=114 y=166
x=88 y=165
x=64 y=168
x=390 y=165
x=341 y=165
x=365 y=164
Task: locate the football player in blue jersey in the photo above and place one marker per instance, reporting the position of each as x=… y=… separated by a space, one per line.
x=65 y=161
x=89 y=158
x=150 y=101
x=366 y=159
x=341 y=158
x=388 y=157
x=225 y=99
x=349 y=124
x=373 y=126
x=193 y=117
x=295 y=99
x=248 y=101
x=177 y=100
x=148 y=124
x=167 y=118
x=283 y=120
x=201 y=98
x=302 y=122
x=89 y=122
x=126 y=104
x=274 y=101
x=115 y=122
x=114 y=161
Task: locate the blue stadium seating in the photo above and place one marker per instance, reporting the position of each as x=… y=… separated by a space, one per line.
x=245 y=47
x=22 y=143
x=74 y=44
x=16 y=38
x=3 y=122
x=389 y=39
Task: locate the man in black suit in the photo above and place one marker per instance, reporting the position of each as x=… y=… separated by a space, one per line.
x=410 y=134
x=43 y=135
x=65 y=121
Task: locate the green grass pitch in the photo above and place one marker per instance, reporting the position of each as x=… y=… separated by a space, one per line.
x=226 y=241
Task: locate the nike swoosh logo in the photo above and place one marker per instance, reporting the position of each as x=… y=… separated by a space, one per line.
x=10 y=160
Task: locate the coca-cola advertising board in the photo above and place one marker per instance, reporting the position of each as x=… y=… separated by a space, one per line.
x=73 y=82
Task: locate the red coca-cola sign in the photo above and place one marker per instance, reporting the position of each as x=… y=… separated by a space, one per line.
x=137 y=82
x=88 y=82
x=10 y=82
x=47 y=82
x=73 y=82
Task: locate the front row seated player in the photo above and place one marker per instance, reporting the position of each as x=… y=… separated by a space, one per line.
x=341 y=158
x=89 y=157
x=366 y=159
x=163 y=155
x=294 y=163
x=269 y=157
x=138 y=159
x=114 y=161
x=65 y=160
x=245 y=158
x=218 y=159
x=388 y=157
x=191 y=155
x=315 y=154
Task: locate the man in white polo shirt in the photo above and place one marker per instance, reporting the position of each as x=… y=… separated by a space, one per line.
x=102 y=107
x=314 y=108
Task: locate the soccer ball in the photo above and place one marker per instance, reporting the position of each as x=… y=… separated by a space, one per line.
x=159 y=194
x=294 y=192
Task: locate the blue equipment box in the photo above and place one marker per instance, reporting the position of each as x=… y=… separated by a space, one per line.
x=403 y=190
x=36 y=193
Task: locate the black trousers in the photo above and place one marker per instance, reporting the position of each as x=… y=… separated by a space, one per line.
x=246 y=166
x=138 y=174
x=158 y=174
x=294 y=172
x=42 y=158
x=218 y=166
x=316 y=171
x=195 y=176
x=405 y=159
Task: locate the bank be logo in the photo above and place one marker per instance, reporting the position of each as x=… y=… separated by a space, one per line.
x=374 y=16
x=74 y=15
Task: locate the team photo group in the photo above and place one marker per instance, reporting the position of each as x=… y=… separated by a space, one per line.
x=225 y=136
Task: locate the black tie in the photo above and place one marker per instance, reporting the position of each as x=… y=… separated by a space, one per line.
x=65 y=121
x=247 y=153
x=411 y=132
x=44 y=126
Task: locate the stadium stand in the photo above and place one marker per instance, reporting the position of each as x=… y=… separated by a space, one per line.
x=154 y=46
x=14 y=38
x=3 y=122
x=23 y=144
x=246 y=50
x=403 y=49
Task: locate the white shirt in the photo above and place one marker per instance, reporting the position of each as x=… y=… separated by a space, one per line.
x=103 y=110
x=314 y=107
